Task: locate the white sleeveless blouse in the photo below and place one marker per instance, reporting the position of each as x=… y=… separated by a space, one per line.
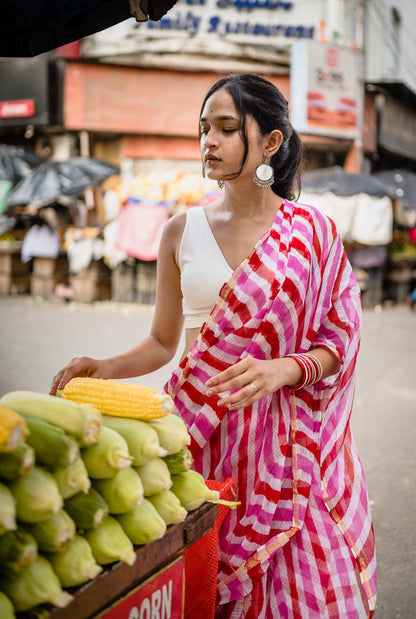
x=203 y=267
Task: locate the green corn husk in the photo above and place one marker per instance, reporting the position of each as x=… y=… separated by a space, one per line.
x=37 y=495
x=168 y=507
x=141 y=438
x=109 y=543
x=37 y=584
x=18 y=549
x=87 y=510
x=53 y=533
x=122 y=492
x=17 y=462
x=172 y=432
x=72 y=479
x=179 y=462
x=7 y=510
x=143 y=524
x=83 y=421
x=52 y=445
x=191 y=490
x=155 y=476
x=109 y=455
x=6 y=607
x=75 y=564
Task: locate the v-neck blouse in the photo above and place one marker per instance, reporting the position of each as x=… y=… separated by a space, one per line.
x=204 y=269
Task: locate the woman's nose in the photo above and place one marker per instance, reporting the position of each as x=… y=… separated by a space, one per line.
x=211 y=138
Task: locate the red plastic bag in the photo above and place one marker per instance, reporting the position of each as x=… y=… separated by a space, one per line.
x=201 y=561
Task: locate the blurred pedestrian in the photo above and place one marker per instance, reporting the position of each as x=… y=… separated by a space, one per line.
x=272 y=328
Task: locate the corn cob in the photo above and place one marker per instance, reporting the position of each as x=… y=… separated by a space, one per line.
x=75 y=564
x=13 y=429
x=168 y=506
x=109 y=455
x=72 y=479
x=15 y=463
x=143 y=523
x=155 y=476
x=83 y=421
x=118 y=399
x=172 y=433
x=122 y=492
x=37 y=584
x=87 y=510
x=53 y=533
x=36 y=494
x=7 y=510
x=6 y=607
x=179 y=462
x=142 y=440
x=109 y=543
x=18 y=549
x=52 y=445
x=192 y=491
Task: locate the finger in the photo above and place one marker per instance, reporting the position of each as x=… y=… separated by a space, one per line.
x=235 y=370
x=228 y=385
x=55 y=383
x=244 y=397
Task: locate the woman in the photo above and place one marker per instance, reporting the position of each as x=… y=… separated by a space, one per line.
x=265 y=386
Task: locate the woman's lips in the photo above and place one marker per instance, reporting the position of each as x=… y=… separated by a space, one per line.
x=211 y=160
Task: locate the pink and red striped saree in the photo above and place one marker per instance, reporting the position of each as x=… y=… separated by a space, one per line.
x=301 y=543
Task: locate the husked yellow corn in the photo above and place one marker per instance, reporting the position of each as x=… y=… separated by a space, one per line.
x=13 y=429
x=118 y=399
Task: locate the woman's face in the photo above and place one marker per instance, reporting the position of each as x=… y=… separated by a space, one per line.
x=222 y=149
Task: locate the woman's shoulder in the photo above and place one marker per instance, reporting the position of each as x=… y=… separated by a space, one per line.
x=315 y=217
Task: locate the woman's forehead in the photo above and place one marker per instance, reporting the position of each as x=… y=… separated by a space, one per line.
x=220 y=103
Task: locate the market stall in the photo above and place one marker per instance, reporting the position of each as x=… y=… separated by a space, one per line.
x=361 y=207
x=101 y=512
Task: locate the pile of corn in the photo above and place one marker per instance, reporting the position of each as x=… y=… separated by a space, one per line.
x=84 y=479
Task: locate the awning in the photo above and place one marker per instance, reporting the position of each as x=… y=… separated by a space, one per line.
x=32 y=28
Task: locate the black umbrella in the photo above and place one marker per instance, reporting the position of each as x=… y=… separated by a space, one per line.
x=403 y=183
x=31 y=28
x=16 y=163
x=342 y=183
x=52 y=179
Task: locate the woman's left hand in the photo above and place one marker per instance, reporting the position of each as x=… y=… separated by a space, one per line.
x=251 y=379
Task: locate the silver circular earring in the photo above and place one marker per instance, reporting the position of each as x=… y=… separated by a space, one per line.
x=264 y=174
x=221 y=184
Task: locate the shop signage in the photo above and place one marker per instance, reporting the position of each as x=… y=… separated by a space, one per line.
x=160 y=597
x=397 y=131
x=17 y=109
x=248 y=22
x=326 y=97
x=29 y=92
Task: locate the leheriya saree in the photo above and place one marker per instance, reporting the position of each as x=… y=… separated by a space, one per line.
x=301 y=542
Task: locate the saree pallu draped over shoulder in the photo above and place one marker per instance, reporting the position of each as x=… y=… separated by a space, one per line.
x=301 y=542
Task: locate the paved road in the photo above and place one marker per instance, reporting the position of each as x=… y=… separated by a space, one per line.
x=39 y=337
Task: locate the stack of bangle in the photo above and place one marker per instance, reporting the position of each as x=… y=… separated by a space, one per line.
x=311 y=367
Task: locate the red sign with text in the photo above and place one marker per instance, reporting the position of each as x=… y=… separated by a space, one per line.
x=17 y=109
x=160 y=597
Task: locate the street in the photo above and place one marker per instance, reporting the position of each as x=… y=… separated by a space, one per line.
x=39 y=337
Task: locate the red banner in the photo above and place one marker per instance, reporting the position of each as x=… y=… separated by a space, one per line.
x=17 y=109
x=160 y=597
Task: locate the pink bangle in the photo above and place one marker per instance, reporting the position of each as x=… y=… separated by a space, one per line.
x=311 y=367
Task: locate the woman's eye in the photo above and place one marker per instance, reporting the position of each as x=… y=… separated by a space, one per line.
x=231 y=130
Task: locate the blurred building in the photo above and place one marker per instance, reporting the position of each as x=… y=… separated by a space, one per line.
x=131 y=94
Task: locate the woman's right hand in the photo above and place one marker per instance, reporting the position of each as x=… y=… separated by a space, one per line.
x=79 y=366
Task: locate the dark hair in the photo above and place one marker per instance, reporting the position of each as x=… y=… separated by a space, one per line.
x=261 y=99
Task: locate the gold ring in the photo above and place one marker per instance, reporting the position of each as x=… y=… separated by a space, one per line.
x=254 y=387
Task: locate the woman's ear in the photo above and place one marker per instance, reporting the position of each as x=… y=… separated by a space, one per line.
x=273 y=142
